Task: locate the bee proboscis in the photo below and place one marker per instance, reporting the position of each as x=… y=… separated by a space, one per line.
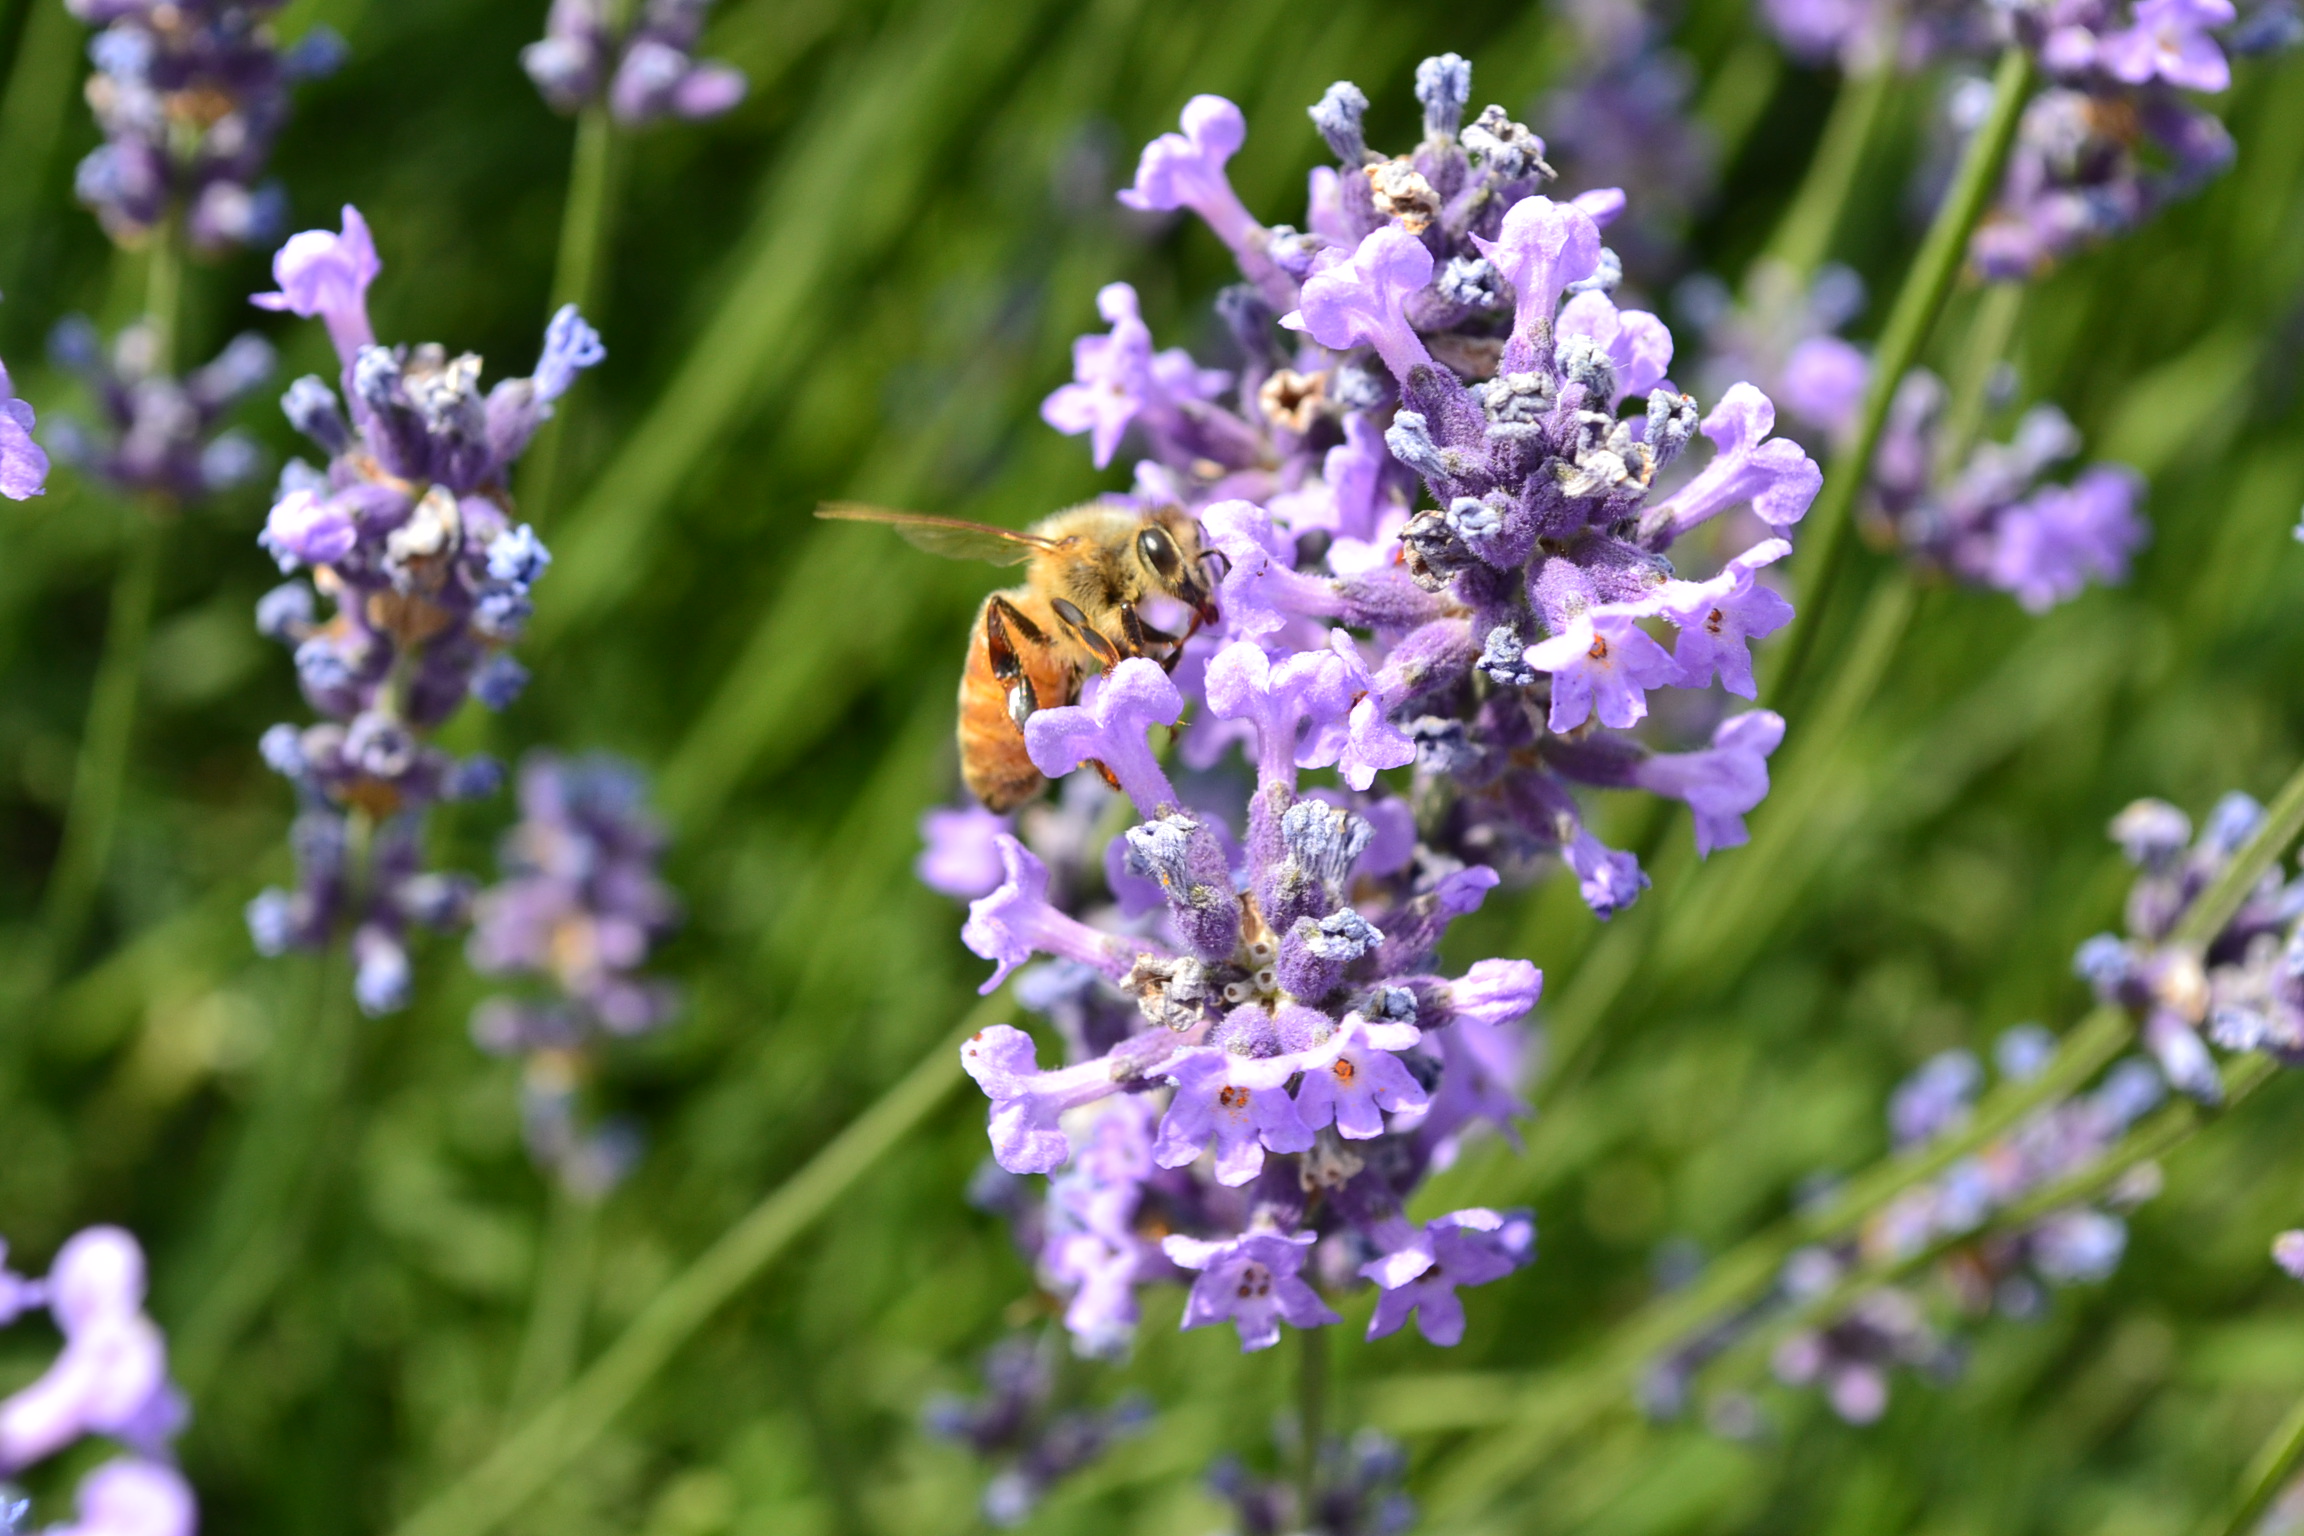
x=1079 y=609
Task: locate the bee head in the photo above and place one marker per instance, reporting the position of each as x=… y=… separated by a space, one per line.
x=1168 y=548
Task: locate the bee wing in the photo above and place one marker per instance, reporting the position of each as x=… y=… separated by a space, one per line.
x=952 y=537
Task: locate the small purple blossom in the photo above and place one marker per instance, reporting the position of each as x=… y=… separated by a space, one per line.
x=1469 y=1247
x=1241 y=1103
x=326 y=276
x=1186 y=170
x=961 y=856
x=1359 y=302
x=1117 y=380
x=110 y=1380
x=1718 y=619
x=1109 y=729
x=1602 y=664
x=158 y=436
x=2169 y=39
x=2288 y=1253
x=23 y=467
x=1771 y=474
x=1253 y=1282
x=1724 y=781
x=1356 y=1078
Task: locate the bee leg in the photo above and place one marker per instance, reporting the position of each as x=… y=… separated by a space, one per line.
x=1142 y=637
x=1110 y=778
x=1007 y=666
x=1077 y=624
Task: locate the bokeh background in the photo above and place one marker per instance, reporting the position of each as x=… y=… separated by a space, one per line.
x=860 y=284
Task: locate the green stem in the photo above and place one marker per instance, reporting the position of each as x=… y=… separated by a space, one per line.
x=1804 y=238
x=1312 y=1418
x=1824 y=542
x=277 y=1181
x=91 y=816
x=578 y=277
x=2268 y=1472
x=555 y=1336
x=568 y=1425
x=1989 y=334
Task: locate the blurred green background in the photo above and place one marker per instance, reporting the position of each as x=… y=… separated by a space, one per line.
x=860 y=284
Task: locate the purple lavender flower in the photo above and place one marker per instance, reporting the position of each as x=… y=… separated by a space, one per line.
x=1780 y=335
x=1355 y=1492
x=648 y=72
x=579 y=907
x=1252 y=1282
x=2288 y=1253
x=1469 y=1247
x=158 y=435
x=23 y=467
x=1993 y=521
x=110 y=1381
x=2246 y=987
x=1018 y=1427
x=191 y=95
x=409 y=533
x=1622 y=117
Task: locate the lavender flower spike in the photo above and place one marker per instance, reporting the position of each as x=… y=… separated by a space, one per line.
x=327 y=276
x=23 y=467
x=1773 y=474
x=1254 y=1281
x=1110 y=729
x=1186 y=170
x=1359 y=302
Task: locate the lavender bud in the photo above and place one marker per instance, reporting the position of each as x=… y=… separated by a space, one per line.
x=1443 y=86
x=1337 y=114
x=1505 y=659
x=285 y=613
x=311 y=408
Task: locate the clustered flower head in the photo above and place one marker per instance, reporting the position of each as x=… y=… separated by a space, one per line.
x=409 y=534
x=158 y=436
x=1356 y=1492
x=1019 y=1427
x=1849 y=1356
x=2113 y=138
x=110 y=1381
x=579 y=907
x=23 y=465
x=2246 y=987
x=1865 y=36
x=648 y=72
x=1993 y=520
x=1442 y=327
x=190 y=95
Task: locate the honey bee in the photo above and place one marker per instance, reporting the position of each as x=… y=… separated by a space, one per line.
x=1077 y=611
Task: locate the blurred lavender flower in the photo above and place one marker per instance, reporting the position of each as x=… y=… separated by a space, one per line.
x=1018 y=1427
x=1993 y=521
x=409 y=534
x=2112 y=140
x=2247 y=986
x=23 y=466
x=158 y=435
x=648 y=72
x=1623 y=116
x=1850 y=1356
x=1864 y=36
x=579 y=906
x=110 y=1382
x=1782 y=336
x=2288 y=1253
x=191 y=95
x=1356 y=1492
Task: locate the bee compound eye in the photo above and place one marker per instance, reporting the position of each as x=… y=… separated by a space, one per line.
x=1159 y=553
